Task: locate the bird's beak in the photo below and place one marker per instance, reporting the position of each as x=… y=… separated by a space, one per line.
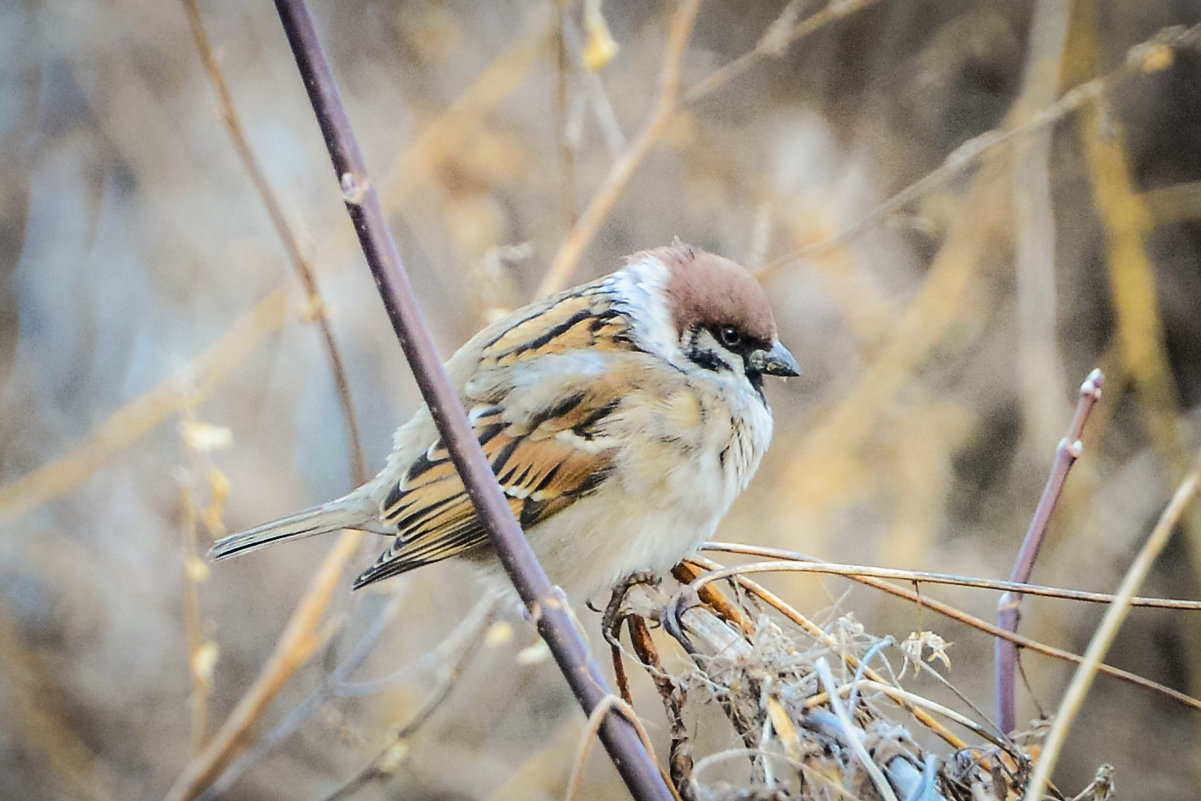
x=777 y=361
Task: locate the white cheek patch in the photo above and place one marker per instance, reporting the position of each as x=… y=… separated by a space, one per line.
x=639 y=289
x=701 y=344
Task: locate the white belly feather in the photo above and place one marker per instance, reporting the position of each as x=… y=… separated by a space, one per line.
x=665 y=496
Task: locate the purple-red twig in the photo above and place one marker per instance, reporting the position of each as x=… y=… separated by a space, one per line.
x=545 y=604
x=1008 y=612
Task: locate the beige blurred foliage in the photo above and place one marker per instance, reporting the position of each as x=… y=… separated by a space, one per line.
x=161 y=378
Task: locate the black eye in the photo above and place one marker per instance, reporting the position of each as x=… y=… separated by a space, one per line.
x=730 y=337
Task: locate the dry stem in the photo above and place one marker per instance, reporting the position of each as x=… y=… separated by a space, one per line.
x=672 y=695
x=1008 y=613
x=816 y=631
x=798 y=563
x=193 y=627
x=585 y=228
x=304 y=271
x=608 y=705
x=1040 y=365
x=145 y=412
x=946 y=610
x=1104 y=636
x=384 y=763
x=297 y=643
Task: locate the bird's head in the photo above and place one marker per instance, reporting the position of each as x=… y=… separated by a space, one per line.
x=705 y=312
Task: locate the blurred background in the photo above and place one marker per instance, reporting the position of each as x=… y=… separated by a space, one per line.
x=162 y=380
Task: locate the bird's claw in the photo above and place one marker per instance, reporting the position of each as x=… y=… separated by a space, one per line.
x=615 y=613
x=672 y=616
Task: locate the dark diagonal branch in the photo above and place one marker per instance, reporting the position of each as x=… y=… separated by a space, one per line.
x=545 y=604
x=1008 y=612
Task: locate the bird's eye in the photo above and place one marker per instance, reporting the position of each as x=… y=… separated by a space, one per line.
x=730 y=337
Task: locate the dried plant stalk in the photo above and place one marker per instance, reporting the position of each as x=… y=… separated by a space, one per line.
x=809 y=719
x=296 y=644
x=1107 y=630
x=147 y=411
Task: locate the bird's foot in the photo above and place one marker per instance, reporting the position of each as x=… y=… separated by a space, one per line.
x=615 y=612
x=673 y=612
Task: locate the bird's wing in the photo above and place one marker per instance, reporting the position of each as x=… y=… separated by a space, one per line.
x=544 y=427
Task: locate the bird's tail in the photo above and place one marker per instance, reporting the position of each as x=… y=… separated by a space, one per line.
x=347 y=512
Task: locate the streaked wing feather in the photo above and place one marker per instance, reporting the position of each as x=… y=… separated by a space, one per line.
x=540 y=474
x=544 y=462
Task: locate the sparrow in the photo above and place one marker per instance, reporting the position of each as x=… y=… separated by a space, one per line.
x=621 y=417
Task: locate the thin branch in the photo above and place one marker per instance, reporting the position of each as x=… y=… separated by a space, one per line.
x=1104 y=636
x=1067 y=453
x=913 y=699
x=473 y=626
x=612 y=703
x=754 y=752
x=144 y=413
x=230 y=775
x=189 y=527
x=585 y=228
x=565 y=146
x=1008 y=613
x=384 y=764
x=798 y=563
x=673 y=695
x=1040 y=365
x=780 y=35
x=193 y=626
x=297 y=643
x=979 y=148
x=275 y=672
x=546 y=606
x=948 y=611
x=304 y=271
x=594 y=97
x=619 y=673
x=335 y=685
x=851 y=735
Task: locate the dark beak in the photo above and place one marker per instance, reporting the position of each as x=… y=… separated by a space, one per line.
x=777 y=361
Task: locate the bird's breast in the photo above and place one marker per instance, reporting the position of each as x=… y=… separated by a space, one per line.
x=685 y=458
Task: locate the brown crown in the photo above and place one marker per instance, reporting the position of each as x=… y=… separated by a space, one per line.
x=708 y=290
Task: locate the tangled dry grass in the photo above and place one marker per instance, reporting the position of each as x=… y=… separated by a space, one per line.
x=820 y=710
x=815 y=720
x=958 y=208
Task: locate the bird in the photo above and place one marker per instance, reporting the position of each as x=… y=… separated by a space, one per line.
x=621 y=418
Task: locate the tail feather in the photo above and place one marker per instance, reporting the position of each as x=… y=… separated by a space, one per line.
x=332 y=516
